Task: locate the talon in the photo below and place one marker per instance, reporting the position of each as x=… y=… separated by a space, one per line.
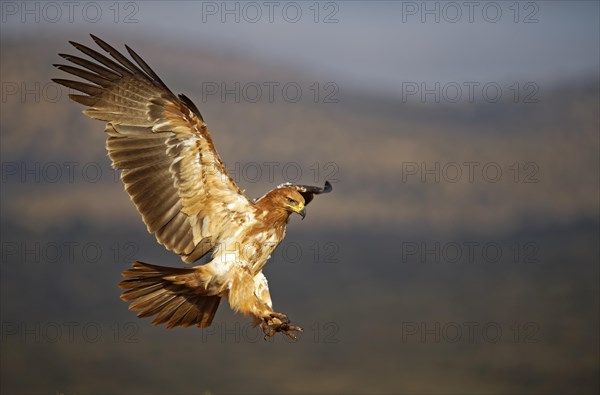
x=290 y=335
x=268 y=330
x=278 y=322
x=287 y=330
x=269 y=333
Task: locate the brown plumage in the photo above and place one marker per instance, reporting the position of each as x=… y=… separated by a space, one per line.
x=179 y=185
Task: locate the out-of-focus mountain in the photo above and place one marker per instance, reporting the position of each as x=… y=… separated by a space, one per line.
x=379 y=149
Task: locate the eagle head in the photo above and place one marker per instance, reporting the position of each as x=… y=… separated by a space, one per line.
x=290 y=200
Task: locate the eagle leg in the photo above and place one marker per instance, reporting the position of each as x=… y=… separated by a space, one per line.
x=273 y=324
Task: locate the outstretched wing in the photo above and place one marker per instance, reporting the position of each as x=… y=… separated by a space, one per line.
x=168 y=162
x=308 y=192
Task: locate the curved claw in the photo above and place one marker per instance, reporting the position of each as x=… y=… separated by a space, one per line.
x=291 y=328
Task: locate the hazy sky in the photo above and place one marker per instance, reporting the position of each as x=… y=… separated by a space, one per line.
x=375 y=44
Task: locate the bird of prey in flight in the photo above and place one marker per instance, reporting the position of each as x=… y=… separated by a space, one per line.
x=181 y=188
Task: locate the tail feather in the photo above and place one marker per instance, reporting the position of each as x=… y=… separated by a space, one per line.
x=135 y=291
x=166 y=314
x=176 y=296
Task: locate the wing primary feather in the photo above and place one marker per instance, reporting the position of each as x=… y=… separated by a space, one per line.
x=146 y=68
x=96 y=68
x=102 y=59
x=95 y=78
x=117 y=55
x=85 y=100
x=80 y=86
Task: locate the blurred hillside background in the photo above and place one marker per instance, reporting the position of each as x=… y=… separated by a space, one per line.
x=458 y=252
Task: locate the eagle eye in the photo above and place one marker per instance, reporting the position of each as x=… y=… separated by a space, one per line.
x=291 y=201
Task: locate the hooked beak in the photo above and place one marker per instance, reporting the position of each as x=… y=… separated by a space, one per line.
x=302 y=212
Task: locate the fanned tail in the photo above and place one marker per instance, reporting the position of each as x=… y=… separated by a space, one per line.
x=176 y=296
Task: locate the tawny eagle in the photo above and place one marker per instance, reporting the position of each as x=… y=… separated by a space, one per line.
x=181 y=188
